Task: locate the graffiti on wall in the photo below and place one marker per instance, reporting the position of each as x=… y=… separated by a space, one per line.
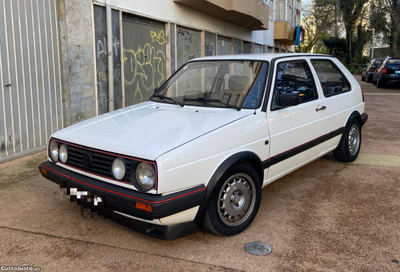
x=145 y=66
x=188 y=45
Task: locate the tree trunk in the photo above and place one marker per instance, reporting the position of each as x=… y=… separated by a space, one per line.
x=336 y=19
x=349 y=41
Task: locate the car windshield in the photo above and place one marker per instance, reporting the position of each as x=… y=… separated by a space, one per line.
x=229 y=84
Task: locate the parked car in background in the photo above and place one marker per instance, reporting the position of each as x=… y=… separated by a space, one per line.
x=388 y=72
x=368 y=72
x=200 y=150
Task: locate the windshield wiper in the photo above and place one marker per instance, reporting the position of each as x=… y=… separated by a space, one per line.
x=207 y=100
x=163 y=97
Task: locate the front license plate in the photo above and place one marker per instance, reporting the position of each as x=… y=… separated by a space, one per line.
x=85 y=195
x=397 y=71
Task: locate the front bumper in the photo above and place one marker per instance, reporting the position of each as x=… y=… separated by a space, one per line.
x=122 y=200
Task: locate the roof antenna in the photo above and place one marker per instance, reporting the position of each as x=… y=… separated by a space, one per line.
x=258 y=97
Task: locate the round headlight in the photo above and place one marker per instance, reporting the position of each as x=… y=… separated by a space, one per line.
x=118 y=169
x=63 y=153
x=53 y=151
x=145 y=176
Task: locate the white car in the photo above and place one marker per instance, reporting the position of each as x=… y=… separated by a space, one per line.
x=201 y=149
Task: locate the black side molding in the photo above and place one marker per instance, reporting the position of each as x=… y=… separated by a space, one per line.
x=364 y=118
x=298 y=149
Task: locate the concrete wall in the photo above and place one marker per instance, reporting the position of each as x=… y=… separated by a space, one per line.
x=77 y=59
x=167 y=10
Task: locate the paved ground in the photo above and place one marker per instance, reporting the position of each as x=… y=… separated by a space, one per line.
x=327 y=216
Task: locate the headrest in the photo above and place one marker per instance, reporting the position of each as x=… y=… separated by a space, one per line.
x=238 y=83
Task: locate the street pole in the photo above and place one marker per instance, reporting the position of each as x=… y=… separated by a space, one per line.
x=372 y=43
x=373 y=39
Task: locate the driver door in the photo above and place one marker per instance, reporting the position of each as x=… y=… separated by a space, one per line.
x=296 y=131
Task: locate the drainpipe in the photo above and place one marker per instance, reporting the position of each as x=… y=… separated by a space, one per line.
x=110 y=57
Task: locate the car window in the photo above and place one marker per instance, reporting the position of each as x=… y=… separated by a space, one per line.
x=393 y=61
x=294 y=77
x=376 y=63
x=332 y=80
x=216 y=83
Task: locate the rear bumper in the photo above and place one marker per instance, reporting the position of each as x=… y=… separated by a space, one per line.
x=364 y=118
x=122 y=200
x=391 y=78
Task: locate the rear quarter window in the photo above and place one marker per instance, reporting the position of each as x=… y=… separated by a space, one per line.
x=332 y=80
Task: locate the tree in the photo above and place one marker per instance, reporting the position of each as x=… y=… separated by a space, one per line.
x=320 y=21
x=351 y=13
x=385 y=18
x=336 y=47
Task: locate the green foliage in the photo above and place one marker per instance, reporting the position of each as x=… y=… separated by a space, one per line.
x=336 y=47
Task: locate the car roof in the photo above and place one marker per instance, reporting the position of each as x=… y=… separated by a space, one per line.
x=260 y=56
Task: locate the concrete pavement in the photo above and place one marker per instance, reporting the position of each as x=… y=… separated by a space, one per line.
x=326 y=216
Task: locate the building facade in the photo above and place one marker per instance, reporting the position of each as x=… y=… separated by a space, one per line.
x=69 y=60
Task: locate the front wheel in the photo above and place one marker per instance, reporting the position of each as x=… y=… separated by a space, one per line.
x=234 y=202
x=349 y=145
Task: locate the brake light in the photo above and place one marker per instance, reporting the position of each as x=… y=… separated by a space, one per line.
x=384 y=71
x=371 y=69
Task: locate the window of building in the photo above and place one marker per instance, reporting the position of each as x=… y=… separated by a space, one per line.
x=332 y=80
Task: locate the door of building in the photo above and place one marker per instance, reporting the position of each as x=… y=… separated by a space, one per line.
x=144 y=44
x=30 y=75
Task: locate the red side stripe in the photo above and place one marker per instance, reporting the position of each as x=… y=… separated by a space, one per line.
x=136 y=198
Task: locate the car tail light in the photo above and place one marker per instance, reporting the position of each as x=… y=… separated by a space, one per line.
x=371 y=69
x=384 y=71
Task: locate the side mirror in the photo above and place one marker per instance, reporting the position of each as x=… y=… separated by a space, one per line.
x=156 y=89
x=288 y=99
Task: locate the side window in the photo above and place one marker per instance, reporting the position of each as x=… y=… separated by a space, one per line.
x=293 y=80
x=332 y=80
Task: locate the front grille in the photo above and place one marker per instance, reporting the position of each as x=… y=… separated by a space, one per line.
x=101 y=163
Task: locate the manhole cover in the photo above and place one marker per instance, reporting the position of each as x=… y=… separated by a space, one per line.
x=258 y=248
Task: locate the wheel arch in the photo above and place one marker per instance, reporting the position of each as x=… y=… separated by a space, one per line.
x=354 y=115
x=242 y=157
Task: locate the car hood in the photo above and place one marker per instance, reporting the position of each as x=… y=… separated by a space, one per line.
x=149 y=129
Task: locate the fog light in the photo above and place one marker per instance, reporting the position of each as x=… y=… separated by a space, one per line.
x=118 y=169
x=63 y=153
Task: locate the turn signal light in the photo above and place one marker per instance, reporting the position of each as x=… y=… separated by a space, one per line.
x=44 y=171
x=144 y=207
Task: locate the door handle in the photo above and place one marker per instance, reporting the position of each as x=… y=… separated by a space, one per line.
x=7 y=85
x=321 y=108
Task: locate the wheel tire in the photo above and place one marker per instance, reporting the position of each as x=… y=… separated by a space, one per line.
x=379 y=83
x=214 y=220
x=347 y=150
x=362 y=78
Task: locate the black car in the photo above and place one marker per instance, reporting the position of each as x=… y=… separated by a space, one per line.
x=387 y=72
x=368 y=72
